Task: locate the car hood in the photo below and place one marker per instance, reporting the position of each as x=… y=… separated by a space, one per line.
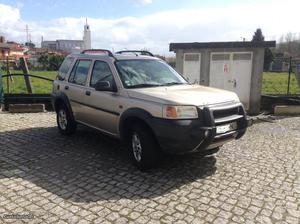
x=184 y=95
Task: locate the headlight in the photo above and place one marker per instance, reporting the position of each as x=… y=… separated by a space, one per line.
x=180 y=112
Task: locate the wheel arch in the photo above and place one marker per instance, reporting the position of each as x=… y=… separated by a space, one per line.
x=61 y=98
x=133 y=116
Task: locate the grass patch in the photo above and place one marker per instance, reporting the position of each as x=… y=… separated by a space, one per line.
x=273 y=83
x=38 y=85
x=277 y=83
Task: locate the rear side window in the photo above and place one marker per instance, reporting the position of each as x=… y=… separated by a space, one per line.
x=64 y=68
x=80 y=72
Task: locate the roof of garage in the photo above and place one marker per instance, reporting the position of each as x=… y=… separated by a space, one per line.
x=233 y=44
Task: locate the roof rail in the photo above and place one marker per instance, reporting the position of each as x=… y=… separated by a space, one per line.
x=96 y=51
x=136 y=52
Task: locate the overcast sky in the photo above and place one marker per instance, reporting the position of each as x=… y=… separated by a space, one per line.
x=151 y=24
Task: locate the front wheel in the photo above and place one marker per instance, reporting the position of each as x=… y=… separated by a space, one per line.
x=66 y=124
x=143 y=148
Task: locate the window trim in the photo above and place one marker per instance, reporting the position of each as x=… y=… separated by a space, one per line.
x=75 y=65
x=66 y=77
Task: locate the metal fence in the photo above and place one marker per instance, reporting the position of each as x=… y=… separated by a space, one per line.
x=283 y=78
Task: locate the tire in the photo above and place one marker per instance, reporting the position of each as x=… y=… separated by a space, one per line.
x=144 y=150
x=65 y=122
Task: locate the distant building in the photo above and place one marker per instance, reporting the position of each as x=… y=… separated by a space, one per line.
x=12 y=50
x=279 y=65
x=49 y=44
x=71 y=46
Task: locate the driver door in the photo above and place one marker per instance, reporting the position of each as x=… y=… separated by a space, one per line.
x=102 y=106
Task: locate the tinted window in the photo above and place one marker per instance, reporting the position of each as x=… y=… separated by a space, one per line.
x=80 y=72
x=101 y=72
x=64 y=68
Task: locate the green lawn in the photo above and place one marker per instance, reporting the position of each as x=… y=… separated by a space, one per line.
x=276 y=83
x=273 y=83
x=38 y=85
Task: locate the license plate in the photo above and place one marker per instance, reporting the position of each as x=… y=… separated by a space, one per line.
x=226 y=127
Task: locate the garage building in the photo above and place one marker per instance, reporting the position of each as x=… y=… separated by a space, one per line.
x=234 y=66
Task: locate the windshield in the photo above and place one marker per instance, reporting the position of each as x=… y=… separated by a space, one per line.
x=147 y=73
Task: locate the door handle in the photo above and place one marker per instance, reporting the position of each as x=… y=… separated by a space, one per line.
x=66 y=87
x=234 y=83
x=88 y=93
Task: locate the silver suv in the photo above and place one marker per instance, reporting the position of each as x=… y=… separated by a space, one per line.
x=136 y=97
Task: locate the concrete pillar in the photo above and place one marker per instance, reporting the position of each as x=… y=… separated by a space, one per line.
x=256 y=80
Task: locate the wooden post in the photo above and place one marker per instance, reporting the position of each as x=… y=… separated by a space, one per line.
x=7 y=73
x=289 y=77
x=25 y=70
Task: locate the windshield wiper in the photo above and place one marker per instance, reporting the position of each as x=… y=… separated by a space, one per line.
x=173 y=83
x=143 y=85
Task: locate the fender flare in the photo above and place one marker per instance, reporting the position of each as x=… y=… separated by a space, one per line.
x=61 y=97
x=134 y=113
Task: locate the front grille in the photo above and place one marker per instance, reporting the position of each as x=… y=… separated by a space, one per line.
x=225 y=112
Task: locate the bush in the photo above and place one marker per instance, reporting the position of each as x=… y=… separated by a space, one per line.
x=50 y=62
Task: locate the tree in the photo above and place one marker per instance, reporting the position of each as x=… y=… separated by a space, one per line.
x=50 y=61
x=55 y=61
x=258 y=36
x=43 y=60
x=268 y=57
x=289 y=45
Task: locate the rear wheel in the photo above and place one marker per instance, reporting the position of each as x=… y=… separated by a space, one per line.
x=66 y=124
x=143 y=148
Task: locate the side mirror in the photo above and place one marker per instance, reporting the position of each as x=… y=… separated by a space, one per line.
x=104 y=86
x=60 y=78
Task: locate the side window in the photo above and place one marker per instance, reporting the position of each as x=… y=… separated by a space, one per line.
x=64 y=68
x=101 y=72
x=80 y=72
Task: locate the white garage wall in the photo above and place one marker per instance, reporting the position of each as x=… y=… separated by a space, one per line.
x=192 y=67
x=232 y=71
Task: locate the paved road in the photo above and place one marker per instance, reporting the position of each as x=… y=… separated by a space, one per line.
x=87 y=178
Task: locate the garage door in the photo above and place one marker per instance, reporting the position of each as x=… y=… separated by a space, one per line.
x=192 y=66
x=232 y=71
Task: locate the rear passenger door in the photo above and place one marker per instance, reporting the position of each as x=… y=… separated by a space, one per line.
x=75 y=88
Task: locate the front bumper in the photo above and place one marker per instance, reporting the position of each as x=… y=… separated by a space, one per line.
x=184 y=136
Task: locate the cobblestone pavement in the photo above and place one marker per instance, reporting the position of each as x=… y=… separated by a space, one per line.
x=88 y=178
